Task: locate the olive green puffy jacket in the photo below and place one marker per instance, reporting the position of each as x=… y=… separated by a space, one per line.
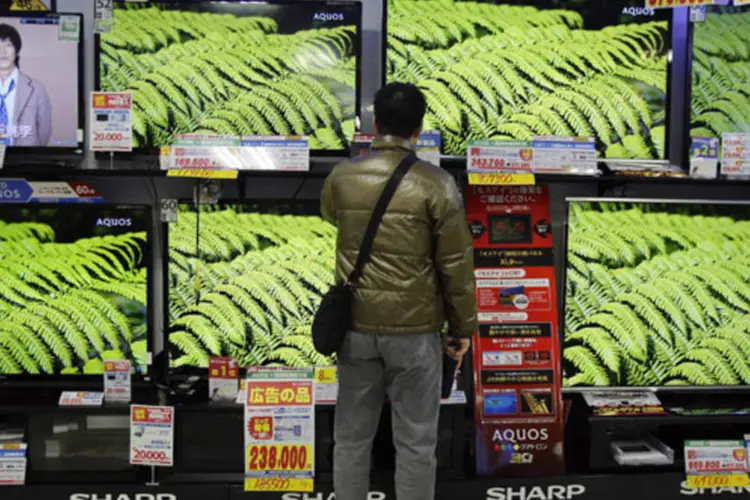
x=421 y=271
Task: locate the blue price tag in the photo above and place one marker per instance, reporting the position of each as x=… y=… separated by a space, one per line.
x=704 y=147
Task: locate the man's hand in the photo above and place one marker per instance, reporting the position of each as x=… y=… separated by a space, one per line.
x=457 y=348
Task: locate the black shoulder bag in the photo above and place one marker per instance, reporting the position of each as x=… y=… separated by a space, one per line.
x=334 y=315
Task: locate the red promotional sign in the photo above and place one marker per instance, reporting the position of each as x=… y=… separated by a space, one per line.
x=519 y=429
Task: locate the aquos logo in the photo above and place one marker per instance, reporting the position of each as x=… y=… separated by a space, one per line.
x=328 y=16
x=113 y=222
x=553 y=492
x=373 y=495
x=638 y=11
x=520 y=435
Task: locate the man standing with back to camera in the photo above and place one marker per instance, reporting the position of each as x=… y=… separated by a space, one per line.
x=420 y=274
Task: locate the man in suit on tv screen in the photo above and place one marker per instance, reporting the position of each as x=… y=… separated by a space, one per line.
x=25 y=110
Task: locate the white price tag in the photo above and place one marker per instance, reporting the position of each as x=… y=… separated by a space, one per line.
x=111 y=121
x=428 y=146
x=223 y=384
x=735 y=155
x=12 y=464
x=152 y=435
x=117 y=387
x=499 y=156
x=84 y=398
x=326 y=385
x=69 y=29
x=102 y=16
x=202 y=151
x=704 y=157
x=565 y=155
x=275 y=153
x=715 y=464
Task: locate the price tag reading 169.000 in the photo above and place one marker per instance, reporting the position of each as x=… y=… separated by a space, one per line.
x=671 y=4
x=279 y=457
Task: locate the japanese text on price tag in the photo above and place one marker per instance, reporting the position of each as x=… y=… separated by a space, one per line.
x=111 y=121
x=151 y=435
x=279 y=429
x=222 y=379
x=716 y=463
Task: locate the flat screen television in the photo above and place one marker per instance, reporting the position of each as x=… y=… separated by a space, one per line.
x=73 y=288
x=41 y=83
x=515 y=69
x=250 y=288
x=28 y=5
x=236 y=68
x=657 y=293
x=720 y=91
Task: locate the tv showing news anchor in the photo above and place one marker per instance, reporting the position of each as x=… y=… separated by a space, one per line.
x=38 y=83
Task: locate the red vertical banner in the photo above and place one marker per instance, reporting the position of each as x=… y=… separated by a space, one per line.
x=518 y=404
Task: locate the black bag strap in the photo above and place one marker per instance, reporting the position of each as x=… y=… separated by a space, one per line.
x=377 y=216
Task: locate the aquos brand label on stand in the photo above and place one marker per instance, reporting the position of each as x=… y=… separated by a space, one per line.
x=12 y=464
x=716 y=464
x=517 y=394
x=427 y=147
x=735 y=155
x=223 y=384
x=111 y=121
x=22 y=191
x=279 y=429
x=565 y=155
x=117 y=387
x=151 y=435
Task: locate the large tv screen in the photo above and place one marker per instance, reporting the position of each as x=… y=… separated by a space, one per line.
x=657 y=293
x=250 y=288
x=73 y=287
x=236 y=68
x=515 y=69
x=720 y=96
x=41 y=81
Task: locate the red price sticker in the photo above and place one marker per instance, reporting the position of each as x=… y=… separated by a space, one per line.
x=279 y=457
x=224 y=368
x=672 y=4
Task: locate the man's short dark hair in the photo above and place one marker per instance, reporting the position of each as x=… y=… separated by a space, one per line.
x=8 y=32
x=399 y=109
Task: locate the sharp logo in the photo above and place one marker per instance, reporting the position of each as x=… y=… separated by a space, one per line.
x=123 y=496
x=373 y=495
x=554 y=492
x=520 y=435
x=684 y=490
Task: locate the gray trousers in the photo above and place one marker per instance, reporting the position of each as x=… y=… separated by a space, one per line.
x=408 y=368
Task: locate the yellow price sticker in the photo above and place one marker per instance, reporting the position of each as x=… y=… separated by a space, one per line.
x=203 y=173
x=499 y=179
x=280 y=457
x=718 y=481
x=279 y=484
x=325 y=375
x=671 y=4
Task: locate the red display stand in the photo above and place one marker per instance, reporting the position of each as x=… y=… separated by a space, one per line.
x=518 y=431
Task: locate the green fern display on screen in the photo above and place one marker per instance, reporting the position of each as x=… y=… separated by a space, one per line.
x=657 y=294
x=204 y=72
x=250 y=291
x=720 y=98
x=514 y=72
x=66 y=307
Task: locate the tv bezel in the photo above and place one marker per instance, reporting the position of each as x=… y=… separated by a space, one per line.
x=184 y=372
x=563 y=296
x=668 y=102
x=320 y=153
x=17 y=156
x=85 y=381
